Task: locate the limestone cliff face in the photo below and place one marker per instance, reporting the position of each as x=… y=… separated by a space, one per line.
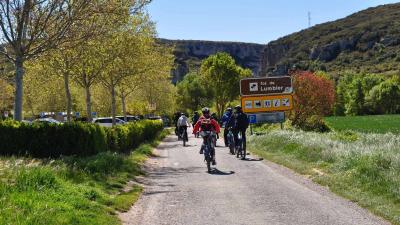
x=189 y=54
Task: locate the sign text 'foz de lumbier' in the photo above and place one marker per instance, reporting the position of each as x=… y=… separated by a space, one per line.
x=266 y=86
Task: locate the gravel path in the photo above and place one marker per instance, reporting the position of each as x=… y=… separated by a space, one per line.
x=178 y=190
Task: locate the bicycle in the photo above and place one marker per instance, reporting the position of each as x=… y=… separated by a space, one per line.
x=240 y=152
x=208 y=148
x=184 y=136
x=231 y=141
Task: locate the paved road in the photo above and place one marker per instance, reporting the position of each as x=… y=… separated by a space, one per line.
x=178 y=190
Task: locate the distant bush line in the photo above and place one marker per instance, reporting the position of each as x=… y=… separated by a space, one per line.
x=81 y=139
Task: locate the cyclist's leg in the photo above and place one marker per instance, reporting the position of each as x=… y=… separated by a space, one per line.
x=202 y=146
x=244 y=141
x=236 y=136
x=213 y=156
x=185 y=134
x=226 y=136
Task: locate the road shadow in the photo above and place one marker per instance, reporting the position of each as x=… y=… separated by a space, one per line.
x=252 y=160
x=216 y=171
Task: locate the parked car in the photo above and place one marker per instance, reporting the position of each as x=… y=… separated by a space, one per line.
x=155 y=118
x=26 y=121
x=128 y=118
x=107 y=121
x=47 y=120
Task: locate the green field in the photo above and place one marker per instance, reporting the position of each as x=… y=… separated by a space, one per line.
x=366 y=124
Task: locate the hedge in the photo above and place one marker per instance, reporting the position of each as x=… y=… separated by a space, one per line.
x=83 y=139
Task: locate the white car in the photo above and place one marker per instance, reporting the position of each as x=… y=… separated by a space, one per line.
x=107 y=121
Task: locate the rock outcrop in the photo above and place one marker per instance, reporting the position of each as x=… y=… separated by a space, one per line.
x=190 y=53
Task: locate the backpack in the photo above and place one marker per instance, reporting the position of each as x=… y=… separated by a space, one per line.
x=241 y=121
x=206 y=125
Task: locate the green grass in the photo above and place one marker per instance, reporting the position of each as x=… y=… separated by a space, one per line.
x=366 y=124
x=70 y=190
x=123 y=201
x=364 y=168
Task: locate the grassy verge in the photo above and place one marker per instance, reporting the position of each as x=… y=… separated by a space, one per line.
x=364 y=168
x=366 y=124
x=70 y=190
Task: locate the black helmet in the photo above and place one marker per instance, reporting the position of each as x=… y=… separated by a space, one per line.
x=195 y=112
x=205 y=110
x=238 y=108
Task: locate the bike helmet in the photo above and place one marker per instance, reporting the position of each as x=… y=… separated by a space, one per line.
x=205 y=110
x=229 y=109
x=238 y=108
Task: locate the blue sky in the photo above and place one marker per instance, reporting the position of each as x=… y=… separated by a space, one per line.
x=258 y=21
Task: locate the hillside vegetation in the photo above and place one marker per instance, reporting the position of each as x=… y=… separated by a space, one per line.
x=367 y=41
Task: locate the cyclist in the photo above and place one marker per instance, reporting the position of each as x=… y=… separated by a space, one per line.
x=195 y=118
x=182 y=124
x=240 y=124
x=206 y=123
x=176 y=118
x=225 y=122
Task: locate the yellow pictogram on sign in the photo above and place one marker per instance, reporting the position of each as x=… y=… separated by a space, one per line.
x=271 y=103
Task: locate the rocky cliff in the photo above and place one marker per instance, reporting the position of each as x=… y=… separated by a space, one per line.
x=365 y=41
x=190 y=53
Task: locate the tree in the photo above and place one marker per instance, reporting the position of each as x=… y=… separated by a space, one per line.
x=92 y=60
x=127 y=62
x=355 y=105
x=42 y=95
x=192 y=94
x=314 y=95
x=385 y=97
x=6 y=92
x=221 y=76
x=31 y=27
x=157 y=91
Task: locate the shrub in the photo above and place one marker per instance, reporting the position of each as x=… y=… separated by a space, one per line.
x=314 y=95
x=52 y=140
x=314 y=123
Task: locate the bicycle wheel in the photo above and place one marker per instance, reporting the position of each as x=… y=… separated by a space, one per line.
x=184 y=138
x=232 y=148
x=209 y=165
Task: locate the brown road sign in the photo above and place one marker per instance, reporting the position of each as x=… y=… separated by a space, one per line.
x=266 y=86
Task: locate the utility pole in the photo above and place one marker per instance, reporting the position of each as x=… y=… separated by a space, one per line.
x=309 y=19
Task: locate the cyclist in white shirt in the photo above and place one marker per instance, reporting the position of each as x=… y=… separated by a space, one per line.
x=182 y=124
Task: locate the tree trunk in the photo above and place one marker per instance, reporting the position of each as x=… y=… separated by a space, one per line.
x=88 y=104
x=123 y=101
x=19 y=79
x=68 y=96
x=220 y=109
x=113 y=104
